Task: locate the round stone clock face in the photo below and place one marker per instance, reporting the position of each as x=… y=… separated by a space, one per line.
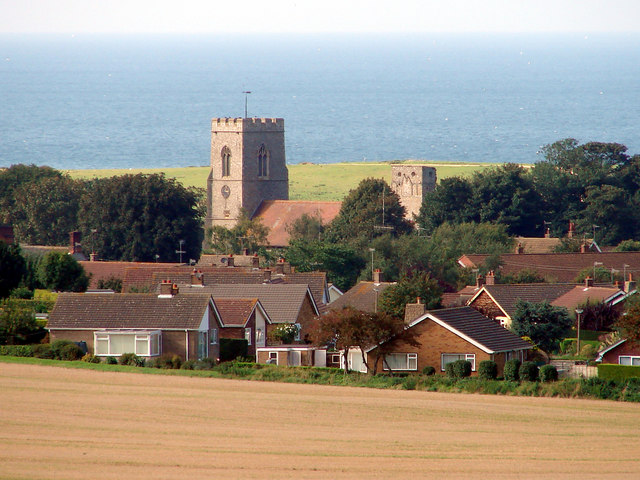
x=225 y=191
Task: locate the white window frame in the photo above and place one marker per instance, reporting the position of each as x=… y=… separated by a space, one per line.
x=247 y=335
x=631 y=359
x=213 y=336
x=469 y=357
x=152 y=339
x=272 y=356
x=298 y=330
x=411 y=360
x=335 y=358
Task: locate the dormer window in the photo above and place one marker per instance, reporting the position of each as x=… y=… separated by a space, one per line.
x=263 y=162
x=226 y=161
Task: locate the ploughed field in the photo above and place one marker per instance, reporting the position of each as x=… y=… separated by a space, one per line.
x=79 y=424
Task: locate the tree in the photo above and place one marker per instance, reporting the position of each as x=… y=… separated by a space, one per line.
x=111 y=283
x=598 y=316
x=368 y=211
x=436 y=208
x=629 y=325
x=17 y=323
x=306 y=227
x=544 y=324
x=61 y=272
x=341 y=329
x=628 y=246
x=410 y=286
x=12 y=268
x=249 y=234
x=611 y=208
x=141 y=218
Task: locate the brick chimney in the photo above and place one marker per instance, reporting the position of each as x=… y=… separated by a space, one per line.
x=413 y=311
x=572 y=230
x=629 y=285
x=197 y=278
x=547 y=233
x=479 y=281
x=255 y=261
x=377 y=276
x=583 y=248
x=168 y=289
x=266 y=275
x=519 y=249
x=74 y=242
x=588 y=282
x=230 y=261
x=491 y=278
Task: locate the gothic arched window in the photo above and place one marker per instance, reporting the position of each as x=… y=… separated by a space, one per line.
x=263 y=162
x=226 y=161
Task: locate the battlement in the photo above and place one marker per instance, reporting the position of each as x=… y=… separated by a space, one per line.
x=253 y=124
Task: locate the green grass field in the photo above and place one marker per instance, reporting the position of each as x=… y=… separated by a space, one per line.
x=306 y=181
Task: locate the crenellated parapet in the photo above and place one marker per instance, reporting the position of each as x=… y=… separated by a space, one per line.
x=253 y=124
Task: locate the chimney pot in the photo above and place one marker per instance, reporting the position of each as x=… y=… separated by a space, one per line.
x=588 y=282
x=377 y=276
x=491 y=279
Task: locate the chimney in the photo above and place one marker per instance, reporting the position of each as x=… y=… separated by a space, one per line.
x=547 y=233
x=519 y=249
x=266 y=275
x=255 y=261
x=479 y=281
x=280 y=266
x=588 y=282
x=245 y=252
x=74 y=242
x=572 y=230
x=230 y=262
x=413 y=311
x=629 y=285
x=197 y=278
x=491 y=278
x=377 y=276
x=166 y=288
x=93 y=257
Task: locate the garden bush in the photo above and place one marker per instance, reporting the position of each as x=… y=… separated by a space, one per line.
x=232 y=348
x=57 y=346
x=618 y=372
x=488 y=370
x=188 y=365
x=458 y=369
x=43 y=351
x=91 y=358
x=448 y=370
x=410 y=383
x=528 y=372
x=511 y=370
x=548 y=373
x=428 y=370
x=17 y=350
x=71 y=352
x=131 y=359
x=111 y=361
x=205 y=364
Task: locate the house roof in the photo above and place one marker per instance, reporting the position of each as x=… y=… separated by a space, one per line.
x=362 y=296
x=474 y=327
x=130 y=310
x=104 y=269
x=602 y=352
x=282 y=302
x=537 y=244
x=278 y=214
x=506 y=296
x=563 y=267
x=236 y=312
x=580 y=294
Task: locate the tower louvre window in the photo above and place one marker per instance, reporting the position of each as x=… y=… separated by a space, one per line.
x=263 y=162
x=226 y=161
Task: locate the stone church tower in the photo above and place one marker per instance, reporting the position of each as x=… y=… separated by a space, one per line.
x=411 y=182
x=247 y=166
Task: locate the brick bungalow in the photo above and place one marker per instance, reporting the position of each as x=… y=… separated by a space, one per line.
x=620 y=353
x=445 y=336
x=243 y=318
x=148 y=325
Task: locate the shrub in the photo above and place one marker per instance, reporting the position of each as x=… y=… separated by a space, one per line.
x=90 y=358
x=205 y=364
x=188 y=365
x=43 y=350
x=232 y=348
x=528 y=372
x=176 y=361
x=71 y=352
x=511 y=370
x=17 y=350
x=111 y=361
x=166 y=362
x=458 y=369
x=548 y=373
x=428 y=370
x=448 y=370
x=488 y=370
x=410 y=383
x=21 y=292
x=57 y=346
x=131 y=359
x=618 y=372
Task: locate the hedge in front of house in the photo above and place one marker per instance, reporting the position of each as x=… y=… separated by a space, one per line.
x=528 y=372
x=232 y=348
x=511 y=370
x=609 y=371
x=488 y=370
x=17 y=350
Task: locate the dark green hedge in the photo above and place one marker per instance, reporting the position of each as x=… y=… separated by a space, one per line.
x=617 y=372
x=17 y=350
x=232 y=348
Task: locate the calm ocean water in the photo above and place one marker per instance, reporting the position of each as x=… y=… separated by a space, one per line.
x=146 y=101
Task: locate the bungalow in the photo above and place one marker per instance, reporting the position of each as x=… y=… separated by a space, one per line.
x=445 y=336
x=148 y=325
x=363 y=296
x=622 y=352
x=243 y=318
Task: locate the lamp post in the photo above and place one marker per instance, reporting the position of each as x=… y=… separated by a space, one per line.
x=578 y=313
x=372 y=250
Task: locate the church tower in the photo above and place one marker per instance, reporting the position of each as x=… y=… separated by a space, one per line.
x=247 y=166
x=411 y=182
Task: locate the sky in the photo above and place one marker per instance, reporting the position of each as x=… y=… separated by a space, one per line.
x=318 y=16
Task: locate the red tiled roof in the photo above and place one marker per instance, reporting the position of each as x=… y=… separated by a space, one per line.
x=362 y=296
x=127 y=310
x=277 y=214
x=507 y=295
x=579 y=295
x=559 y=267
x=105 y=269
x=235 y=312
x=537 y=244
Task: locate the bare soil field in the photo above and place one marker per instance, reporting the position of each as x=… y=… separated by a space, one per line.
x=58 y=423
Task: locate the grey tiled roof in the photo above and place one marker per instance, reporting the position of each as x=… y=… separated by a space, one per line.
x=481 y=329
x=507 y=295
x=130 y=310
x=361 y=296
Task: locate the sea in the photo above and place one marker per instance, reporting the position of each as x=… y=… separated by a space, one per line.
x=133 y=101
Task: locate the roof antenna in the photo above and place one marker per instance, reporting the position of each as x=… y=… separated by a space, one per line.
x=246 y=97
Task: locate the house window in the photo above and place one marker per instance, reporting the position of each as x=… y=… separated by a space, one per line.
x=447 y=358
x=401 y=361
x=298 y=329
x=247 y=335
x=213 y=336
x=273 y=358
x=628 y=360
x=226 y=161
x=294 y=358
x=263 y=162
x=144 y=344
x=259 y=337
x=335 y=359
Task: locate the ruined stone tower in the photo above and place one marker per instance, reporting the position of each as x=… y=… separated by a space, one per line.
x=247 y=166
x=411 y=182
